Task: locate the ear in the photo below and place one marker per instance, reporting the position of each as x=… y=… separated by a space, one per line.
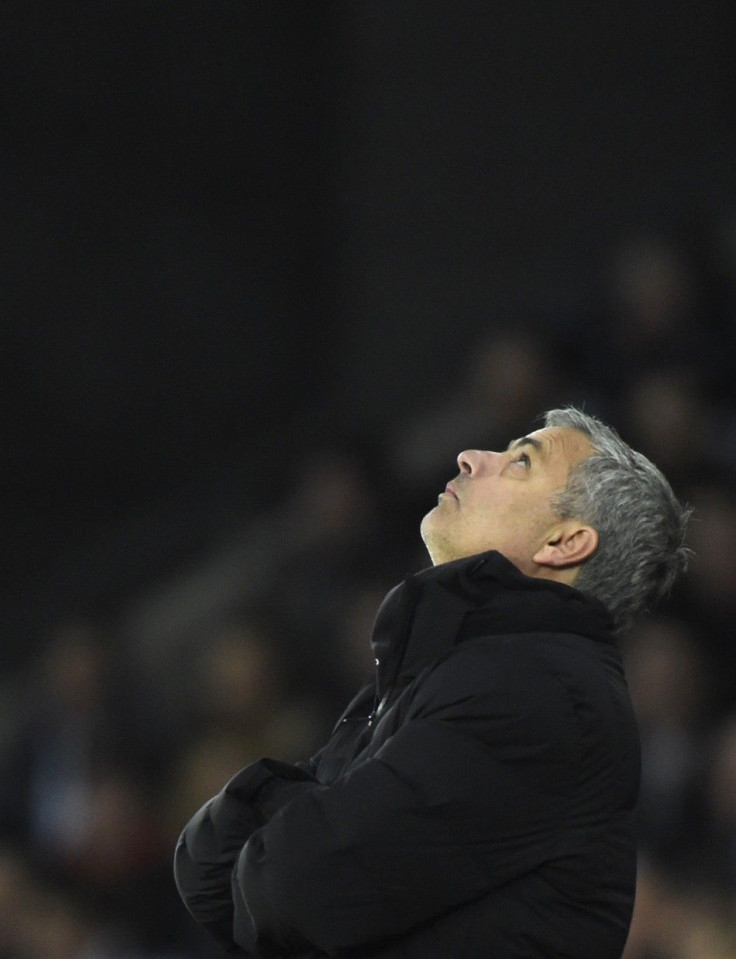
x=567 y=545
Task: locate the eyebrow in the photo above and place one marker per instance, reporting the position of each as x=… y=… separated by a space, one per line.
x=526 y=441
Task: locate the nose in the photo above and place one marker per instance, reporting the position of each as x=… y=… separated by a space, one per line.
x=478 y=462
x=468 y=461
x=473 y=462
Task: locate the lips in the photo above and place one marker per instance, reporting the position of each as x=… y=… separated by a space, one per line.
x=451 y=491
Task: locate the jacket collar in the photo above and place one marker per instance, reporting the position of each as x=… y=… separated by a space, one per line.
x=485 y=594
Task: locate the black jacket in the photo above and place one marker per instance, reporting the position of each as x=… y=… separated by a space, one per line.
x=476 y=803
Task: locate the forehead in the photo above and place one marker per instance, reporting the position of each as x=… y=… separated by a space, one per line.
x=563 y=446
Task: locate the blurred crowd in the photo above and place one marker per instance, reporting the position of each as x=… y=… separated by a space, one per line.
x=123 y=724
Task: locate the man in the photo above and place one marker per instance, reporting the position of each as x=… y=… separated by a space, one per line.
x=478 y=800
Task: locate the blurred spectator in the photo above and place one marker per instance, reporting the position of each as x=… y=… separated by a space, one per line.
x=710 y=592
x=42 y=917
x=72 y=793
x=353 y=661
x=713 y=572
x=669 y=685
x=71 y=727
x=718 y=845
x=507 y=380
x=664 y=414
x=660 y=308
x=14 y=886
x=239 y=706
x=344 y=532
x=678 y=921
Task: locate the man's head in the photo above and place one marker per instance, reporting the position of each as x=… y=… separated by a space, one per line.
x=570 y=502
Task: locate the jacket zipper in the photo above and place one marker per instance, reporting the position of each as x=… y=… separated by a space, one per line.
x=405 y=615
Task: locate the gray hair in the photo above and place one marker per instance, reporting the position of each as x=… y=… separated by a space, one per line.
x=639 y=521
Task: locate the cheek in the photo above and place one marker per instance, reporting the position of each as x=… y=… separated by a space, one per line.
x=509 y=521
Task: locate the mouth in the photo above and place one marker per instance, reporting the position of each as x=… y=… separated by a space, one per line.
x=451 y=491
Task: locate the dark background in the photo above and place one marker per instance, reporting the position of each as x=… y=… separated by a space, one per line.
x=231 y=228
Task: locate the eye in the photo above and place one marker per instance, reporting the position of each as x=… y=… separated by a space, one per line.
x=523 y=459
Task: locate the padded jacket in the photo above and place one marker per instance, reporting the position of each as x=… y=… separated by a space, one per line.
x=476 y=802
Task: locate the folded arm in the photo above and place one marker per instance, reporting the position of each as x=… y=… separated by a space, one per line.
x=209 y=846
x=447 y=810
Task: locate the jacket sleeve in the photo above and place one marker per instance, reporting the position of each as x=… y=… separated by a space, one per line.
x=461 y=799
x=210 y=843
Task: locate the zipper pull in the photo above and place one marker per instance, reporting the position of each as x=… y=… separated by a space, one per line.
x=380 y=708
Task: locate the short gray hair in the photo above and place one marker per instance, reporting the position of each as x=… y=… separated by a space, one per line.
x=639 y=521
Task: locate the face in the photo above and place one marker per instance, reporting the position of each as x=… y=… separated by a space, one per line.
x=502 y=500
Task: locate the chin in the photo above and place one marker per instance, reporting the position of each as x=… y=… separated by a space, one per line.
x=432 y=524
x=440 y=551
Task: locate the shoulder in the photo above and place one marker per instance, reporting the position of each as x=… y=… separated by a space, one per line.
x=506 y=668
x=499 y=685
x=534 y=684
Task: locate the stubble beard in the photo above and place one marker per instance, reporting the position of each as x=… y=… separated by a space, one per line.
x=437 y=542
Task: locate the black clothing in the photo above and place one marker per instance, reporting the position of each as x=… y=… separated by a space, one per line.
x=477 y=803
